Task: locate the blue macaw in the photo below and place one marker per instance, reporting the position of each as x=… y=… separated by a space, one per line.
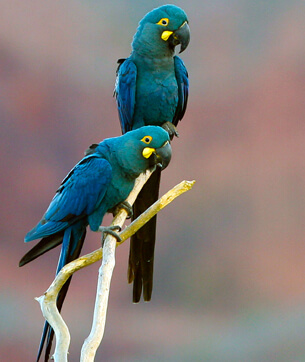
x=98 y=184
x=152 y=89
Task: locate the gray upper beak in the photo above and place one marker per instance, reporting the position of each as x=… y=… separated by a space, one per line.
x=182 y=36
x=162 y=155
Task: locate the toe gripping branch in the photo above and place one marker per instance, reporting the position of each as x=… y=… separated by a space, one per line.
x=110 y=230
x=123 y=205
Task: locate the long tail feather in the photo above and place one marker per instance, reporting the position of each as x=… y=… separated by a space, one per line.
x=142 y=244
x=42 y=247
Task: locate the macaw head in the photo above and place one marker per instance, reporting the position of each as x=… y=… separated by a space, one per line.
x=138 y=150
x=161 y=30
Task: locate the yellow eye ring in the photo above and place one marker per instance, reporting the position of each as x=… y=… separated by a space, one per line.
x=163 y=22
x=147 y=139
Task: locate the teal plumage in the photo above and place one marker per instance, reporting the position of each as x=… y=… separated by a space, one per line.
x=152 y=89
x=152 y=84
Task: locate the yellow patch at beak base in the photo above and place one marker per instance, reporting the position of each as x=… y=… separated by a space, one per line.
x=166 y=34
x=147 y=152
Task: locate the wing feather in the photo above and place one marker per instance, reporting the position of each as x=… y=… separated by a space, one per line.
x=125 y=92
x=183 y=89
x=78 y=195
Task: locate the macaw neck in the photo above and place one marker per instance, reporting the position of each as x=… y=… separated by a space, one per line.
x=152 y=53
x=120 y=155
x=152 y=62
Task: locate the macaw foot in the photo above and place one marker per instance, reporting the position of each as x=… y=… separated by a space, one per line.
x=123 y=205
x=171 y=129
x=110 y=230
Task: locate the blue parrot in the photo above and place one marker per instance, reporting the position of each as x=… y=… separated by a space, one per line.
x=152 y=89
x=98 y=184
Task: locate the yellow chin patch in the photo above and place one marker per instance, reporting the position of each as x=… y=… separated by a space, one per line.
x=147 y=152
x=166 y=34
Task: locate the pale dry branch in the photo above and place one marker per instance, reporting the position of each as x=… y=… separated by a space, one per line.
x=48 y=300
x=155 y=208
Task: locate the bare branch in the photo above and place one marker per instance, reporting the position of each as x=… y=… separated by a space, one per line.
x=155 y=208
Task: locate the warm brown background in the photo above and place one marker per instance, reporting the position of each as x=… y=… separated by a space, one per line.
x=230 y=259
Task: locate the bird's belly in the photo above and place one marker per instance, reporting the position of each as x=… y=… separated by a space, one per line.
x=156 y=102
x=115 y=194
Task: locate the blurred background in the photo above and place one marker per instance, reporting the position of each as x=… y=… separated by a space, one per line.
x=229 y=267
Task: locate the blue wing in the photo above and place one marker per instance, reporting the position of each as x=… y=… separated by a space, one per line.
x=183 y=89
x=125 y=92
x=78 y=195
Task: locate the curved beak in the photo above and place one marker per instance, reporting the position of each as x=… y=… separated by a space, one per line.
x=162 y=156
x=182 y=36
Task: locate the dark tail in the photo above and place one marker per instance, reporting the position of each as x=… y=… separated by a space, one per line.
x=72 y=240
x=142 y=244
x=42 y=247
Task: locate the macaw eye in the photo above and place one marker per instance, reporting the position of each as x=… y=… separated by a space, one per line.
x=147 y=139
x=163 y=21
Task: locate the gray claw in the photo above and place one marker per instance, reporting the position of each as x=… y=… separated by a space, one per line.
x=126 y=206
x=123 y=205
x=110 y=230
x=170 y=129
